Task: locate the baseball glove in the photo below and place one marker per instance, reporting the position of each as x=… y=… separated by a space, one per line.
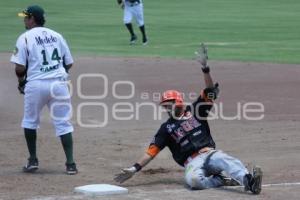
x=121 y=3
x=126 y=174
x=201 y=55
x=21 y=86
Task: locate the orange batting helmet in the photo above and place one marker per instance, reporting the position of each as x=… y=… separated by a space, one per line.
x=172 y=95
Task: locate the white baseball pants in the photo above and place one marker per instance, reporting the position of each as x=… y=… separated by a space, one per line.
x=55 y=94
x=199 y=174
x=134 y=11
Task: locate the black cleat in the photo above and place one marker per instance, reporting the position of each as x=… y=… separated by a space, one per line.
x=145 y=41
x=31 y=166
x=71 y=169
x=257 y=180
x=254 y=181
x=133 y=39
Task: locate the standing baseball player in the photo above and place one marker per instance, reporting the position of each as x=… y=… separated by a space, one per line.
x=42 y=59
x=134 y=9
x=186 y=133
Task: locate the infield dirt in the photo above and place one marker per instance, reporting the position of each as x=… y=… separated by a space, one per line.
x=273 y=142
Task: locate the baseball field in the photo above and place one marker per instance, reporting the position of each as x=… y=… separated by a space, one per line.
x=254 y=55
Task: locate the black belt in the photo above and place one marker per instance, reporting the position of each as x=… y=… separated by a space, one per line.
x=131 y=4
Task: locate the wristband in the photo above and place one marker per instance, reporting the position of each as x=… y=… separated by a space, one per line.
x=206 y=70
x=137 y=166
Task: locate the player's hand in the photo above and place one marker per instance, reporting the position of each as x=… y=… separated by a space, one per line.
x=21 y=86
x=122 y=5
x=201 y=55
x=126 y=174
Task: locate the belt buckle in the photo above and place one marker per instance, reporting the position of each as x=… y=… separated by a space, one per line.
x=134 y=4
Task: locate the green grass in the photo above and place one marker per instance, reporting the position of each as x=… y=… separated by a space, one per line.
x=245 y=30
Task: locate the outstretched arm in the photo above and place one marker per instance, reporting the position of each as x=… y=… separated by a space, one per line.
x=202 y=57
x=208 y=80
x=211 y=91
x=152 y=151
x=127 y=173
x=144 y=160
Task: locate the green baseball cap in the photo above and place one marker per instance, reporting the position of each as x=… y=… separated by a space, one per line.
x=36 y=11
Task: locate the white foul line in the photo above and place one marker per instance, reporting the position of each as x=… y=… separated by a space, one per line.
x=281 y=184
x=269 y=185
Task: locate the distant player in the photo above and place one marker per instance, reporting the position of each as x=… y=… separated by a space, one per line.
x=42 y=59
x=187 y=135
x=134 y=9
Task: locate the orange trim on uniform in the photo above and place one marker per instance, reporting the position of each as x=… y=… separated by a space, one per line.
x=195 y=154
x=153 y=150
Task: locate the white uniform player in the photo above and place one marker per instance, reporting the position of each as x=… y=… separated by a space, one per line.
x=42 y=48
x=42 y=59
x=134 y=9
